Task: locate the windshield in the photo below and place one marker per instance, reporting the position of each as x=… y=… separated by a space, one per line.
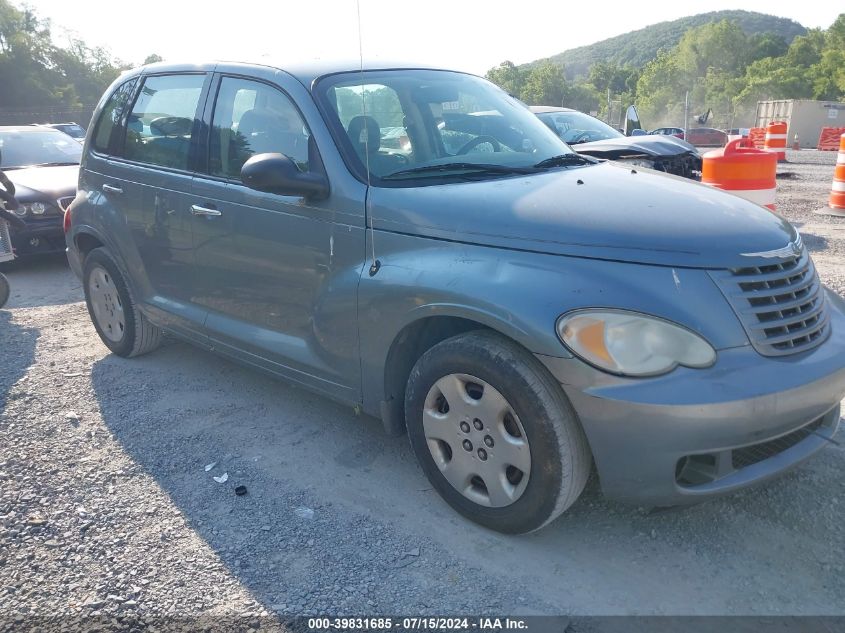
x=576 y=127
x=37 y=146
x=413 y=124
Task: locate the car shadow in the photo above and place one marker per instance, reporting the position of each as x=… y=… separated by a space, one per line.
x=17 y=353
x=329 y=495
x=814 y=242
x=42 y=281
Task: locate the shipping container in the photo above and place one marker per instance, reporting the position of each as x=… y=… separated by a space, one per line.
x=803 y=117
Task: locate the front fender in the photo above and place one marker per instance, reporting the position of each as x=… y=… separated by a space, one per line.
x=521 y=295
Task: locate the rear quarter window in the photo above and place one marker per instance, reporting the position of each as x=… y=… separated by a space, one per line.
x=105 y=132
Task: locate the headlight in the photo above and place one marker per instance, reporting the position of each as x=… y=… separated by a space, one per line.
x=32 y=208
x=632 y=344
x=639 y=162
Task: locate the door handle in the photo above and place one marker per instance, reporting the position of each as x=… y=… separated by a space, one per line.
x=112 y=189
x=210 y=213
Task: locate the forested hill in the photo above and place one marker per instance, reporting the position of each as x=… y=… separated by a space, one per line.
x=639 y=47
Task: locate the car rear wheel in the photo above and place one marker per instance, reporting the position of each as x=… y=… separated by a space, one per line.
x=494 y=433
x=121 y=326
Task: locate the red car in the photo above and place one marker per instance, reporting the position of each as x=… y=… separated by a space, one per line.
x=696 y=135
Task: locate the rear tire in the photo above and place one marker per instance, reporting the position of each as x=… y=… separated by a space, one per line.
x=494 y=432
x=115 y=315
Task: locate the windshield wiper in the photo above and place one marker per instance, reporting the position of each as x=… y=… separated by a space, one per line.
x=57 y=164
x=563 y=160
x=473 y=168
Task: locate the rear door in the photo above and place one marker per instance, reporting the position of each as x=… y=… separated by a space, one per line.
x=155 y=178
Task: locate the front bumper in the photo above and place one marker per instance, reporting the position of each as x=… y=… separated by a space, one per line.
x=695 y=433
x=39 y=238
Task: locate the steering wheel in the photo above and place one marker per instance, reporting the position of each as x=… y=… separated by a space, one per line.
x=581 y=135
x=479 y=140
x=171 y=126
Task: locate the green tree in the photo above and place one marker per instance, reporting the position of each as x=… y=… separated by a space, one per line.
x=582 y=96
x=37 y=73
x=790 y=76
x=828 y=74
x=762 y=45
x=545 y=85
x=508 y=77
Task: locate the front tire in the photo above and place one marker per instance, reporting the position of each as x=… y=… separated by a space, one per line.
x=114 y=313
x=494 y=433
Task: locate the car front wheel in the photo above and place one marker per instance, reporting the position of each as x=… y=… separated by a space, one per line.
x=494 y=433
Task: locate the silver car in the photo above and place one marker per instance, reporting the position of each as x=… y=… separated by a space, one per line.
x=416 y=244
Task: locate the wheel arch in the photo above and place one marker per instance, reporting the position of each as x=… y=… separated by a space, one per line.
x=426 y=328
x=87 y=241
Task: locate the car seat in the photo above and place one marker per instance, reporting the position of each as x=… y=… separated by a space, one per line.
x=365 y=134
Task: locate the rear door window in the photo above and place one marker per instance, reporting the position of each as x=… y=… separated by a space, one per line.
x=160 y=127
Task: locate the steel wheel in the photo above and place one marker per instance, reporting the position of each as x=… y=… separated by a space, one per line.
x=477 y=440
x=106 y=304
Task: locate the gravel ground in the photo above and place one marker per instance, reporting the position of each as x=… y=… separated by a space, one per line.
x=108 y=502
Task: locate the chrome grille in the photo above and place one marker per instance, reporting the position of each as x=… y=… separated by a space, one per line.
x=64 y=203
x=781 y=305
x=755 y=453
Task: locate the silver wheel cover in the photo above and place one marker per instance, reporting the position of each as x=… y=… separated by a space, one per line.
x=106 y=304
x=477 y=440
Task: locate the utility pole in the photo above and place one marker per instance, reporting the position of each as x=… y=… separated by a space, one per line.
x=686 y=115
x=609 y=122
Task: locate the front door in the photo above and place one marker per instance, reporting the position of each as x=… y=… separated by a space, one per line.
x=277 y=274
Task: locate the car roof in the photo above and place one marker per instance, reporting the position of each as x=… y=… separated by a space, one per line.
x=541 y=109
x=306 y=71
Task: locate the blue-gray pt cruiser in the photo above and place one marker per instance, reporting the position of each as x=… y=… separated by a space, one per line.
x=417 y=244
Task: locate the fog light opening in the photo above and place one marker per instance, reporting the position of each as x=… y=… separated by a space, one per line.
x=695 y=470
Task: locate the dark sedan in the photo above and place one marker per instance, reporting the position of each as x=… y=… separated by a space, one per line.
x=698 y=136
x=43 y=164
x=588 y=135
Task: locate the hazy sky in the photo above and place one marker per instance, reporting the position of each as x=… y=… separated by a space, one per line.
x=460 y=34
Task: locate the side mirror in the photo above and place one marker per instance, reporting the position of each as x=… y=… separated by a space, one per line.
x=276 y=173
x=638 y=132
x=632 y=120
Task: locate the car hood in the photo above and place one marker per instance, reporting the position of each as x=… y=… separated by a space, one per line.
x=603 y=211
x=35 y=183
x=649 y=145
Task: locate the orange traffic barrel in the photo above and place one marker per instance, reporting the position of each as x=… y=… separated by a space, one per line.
x=776 y=139
x=757 y=136
x=742 y=170
x=836 y=206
